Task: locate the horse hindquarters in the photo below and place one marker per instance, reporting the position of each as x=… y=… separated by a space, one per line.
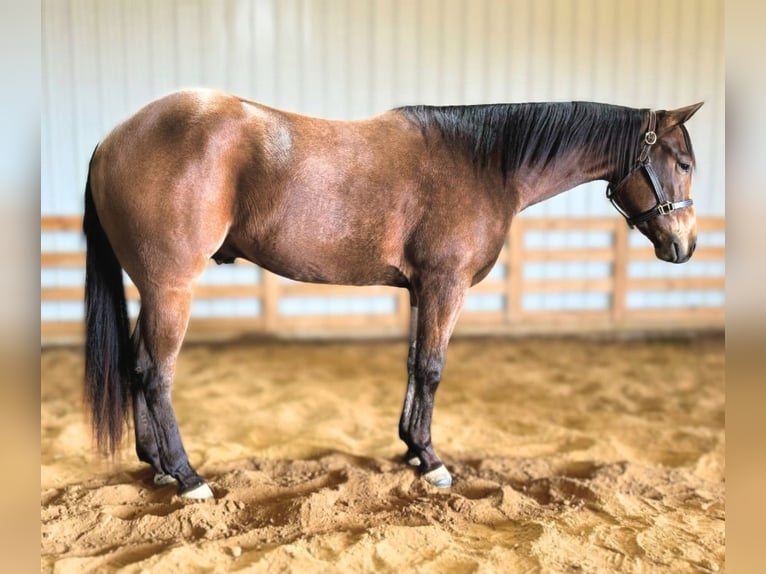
x=144 y=366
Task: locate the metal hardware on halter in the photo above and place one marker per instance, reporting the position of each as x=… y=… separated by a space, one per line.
x=665 y=208
x=644 y=164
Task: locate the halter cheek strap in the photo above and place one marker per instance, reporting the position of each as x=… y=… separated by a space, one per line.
x=644 y=165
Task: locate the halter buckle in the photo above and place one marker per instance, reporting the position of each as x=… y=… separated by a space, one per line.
x=665 y=208
x=650 y=138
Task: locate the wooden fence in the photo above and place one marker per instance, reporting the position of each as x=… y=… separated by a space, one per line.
x=509 y=288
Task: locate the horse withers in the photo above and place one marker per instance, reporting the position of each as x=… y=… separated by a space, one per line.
x=418 y=197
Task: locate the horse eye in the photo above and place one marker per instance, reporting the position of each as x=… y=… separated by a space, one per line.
x=684 y=167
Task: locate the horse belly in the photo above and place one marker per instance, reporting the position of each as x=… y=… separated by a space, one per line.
x=301 y=255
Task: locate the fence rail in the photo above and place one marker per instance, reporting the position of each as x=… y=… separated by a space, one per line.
x=510 y=288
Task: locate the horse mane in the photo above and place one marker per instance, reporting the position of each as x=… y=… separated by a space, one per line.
x=534 y=134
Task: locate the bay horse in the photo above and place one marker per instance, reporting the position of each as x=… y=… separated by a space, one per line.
x=418 y=197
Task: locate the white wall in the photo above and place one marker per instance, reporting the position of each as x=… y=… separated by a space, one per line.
x=103 y=59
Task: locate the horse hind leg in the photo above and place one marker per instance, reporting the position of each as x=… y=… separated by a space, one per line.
x=159 y=334
x=146 y=441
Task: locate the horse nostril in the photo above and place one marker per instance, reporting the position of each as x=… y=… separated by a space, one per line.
x=676 y=251
x=692 y=247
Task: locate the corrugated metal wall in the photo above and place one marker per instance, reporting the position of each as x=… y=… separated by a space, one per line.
x=103 y=59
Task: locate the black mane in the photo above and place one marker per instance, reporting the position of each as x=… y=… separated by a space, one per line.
x=534 y=134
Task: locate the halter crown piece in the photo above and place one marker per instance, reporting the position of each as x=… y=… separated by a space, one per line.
x=644 y=166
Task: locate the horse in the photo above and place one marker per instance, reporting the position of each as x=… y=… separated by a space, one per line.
x=418 y=197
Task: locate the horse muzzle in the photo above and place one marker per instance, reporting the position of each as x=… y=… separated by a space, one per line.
x=676 y=251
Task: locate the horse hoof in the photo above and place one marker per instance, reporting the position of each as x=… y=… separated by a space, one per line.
x=161 y=479
x=439 y=477
x=201 y=492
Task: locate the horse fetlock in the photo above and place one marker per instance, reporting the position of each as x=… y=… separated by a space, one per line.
x=162 y=479
x=148 y=457
x=412 y=458
x=425 y=454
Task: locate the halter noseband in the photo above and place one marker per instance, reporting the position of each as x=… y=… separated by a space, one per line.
x=644 y=165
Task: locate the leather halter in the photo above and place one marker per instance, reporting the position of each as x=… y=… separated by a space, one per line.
x=644 y=166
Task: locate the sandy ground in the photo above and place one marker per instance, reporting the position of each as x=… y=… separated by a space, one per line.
x=568 y=456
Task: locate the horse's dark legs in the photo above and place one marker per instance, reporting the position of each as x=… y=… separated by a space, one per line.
x=439 y=303
x=164 y=317
x=404 y=421
x=146 y=442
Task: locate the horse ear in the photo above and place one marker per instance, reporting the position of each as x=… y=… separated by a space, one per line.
x=671 y=118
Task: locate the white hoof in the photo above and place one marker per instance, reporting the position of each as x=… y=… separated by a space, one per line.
x=202 y=492
x=413 y=461
x=161 y=479
x=439 y=477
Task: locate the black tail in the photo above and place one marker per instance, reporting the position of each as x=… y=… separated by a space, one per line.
x=108 y=352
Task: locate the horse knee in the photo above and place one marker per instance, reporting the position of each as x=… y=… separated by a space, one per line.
x=428 y=373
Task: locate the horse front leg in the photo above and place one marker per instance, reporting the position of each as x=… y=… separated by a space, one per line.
x=411 y=456
x=439 y=303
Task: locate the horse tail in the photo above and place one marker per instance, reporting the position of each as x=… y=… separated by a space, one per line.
x=108 y=351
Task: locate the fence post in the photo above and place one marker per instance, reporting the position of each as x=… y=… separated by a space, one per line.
x=270 y=301
x=620 y=272
x=514 y=272
x=403 y=310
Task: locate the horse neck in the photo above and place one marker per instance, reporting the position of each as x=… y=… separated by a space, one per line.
x=553 y=147
x=538 y=149
x=533 y=184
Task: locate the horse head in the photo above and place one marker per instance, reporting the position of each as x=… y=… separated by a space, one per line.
x=655 y=196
